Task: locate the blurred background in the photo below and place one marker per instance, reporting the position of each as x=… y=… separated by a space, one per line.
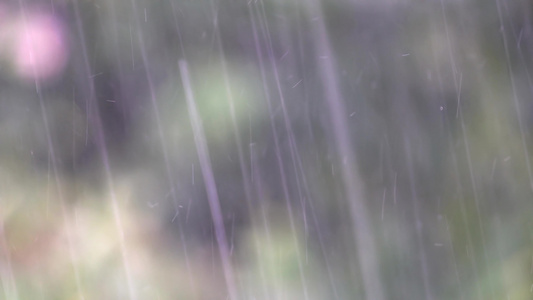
x=266 y=149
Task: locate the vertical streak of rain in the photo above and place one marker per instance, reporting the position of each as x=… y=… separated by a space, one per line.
x=245 y=173
x=422 y=256
x=153 y=101
x=458 y=81
x=6 y=272
x=53 y=160
x=209 y=181
x=362 y=225
x=516 y=102
x=277 y=149
x=94 y=115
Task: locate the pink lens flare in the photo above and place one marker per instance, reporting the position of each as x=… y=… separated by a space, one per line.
x=40 y=49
